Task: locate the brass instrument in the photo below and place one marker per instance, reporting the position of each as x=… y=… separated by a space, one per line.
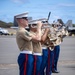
x=50 y=41
x=49 y=44
x=43 y=20
x=45 y=24
x=54 y=39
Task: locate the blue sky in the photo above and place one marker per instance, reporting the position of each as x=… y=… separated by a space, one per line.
x=63 y=9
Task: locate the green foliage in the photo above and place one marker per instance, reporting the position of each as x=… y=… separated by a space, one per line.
x=73 y=25
x=5 y=25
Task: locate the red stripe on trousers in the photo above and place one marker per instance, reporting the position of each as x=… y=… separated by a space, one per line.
x=53 y=63
x=35 y=59
x=48 y=61
x=25 y=64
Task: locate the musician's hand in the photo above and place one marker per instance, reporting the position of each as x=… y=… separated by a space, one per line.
x=47 y=29
x=39 y=24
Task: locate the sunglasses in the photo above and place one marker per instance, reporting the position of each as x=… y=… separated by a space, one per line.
x=44 y=21
x=26 y=18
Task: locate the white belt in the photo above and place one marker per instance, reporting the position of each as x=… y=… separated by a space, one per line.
x=44 y=47
x=26 y=52
x=51 y=49
x=37 y=54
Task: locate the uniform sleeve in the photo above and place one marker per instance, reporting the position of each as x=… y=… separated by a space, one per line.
x=26 y=35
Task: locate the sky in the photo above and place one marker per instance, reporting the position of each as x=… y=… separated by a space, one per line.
x=60 y=9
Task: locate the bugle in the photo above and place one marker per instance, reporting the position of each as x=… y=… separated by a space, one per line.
x=33 y=23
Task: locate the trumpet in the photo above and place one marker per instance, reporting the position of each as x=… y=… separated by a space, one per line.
x=45 y=25
x=33 y=23
x=44 y=22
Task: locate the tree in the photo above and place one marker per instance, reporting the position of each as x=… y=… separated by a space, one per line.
x=73 y=25
x=5 y=25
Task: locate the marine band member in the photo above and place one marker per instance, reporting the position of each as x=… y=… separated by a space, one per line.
x=60 y=32
x=37 y=50
x=24 y=41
